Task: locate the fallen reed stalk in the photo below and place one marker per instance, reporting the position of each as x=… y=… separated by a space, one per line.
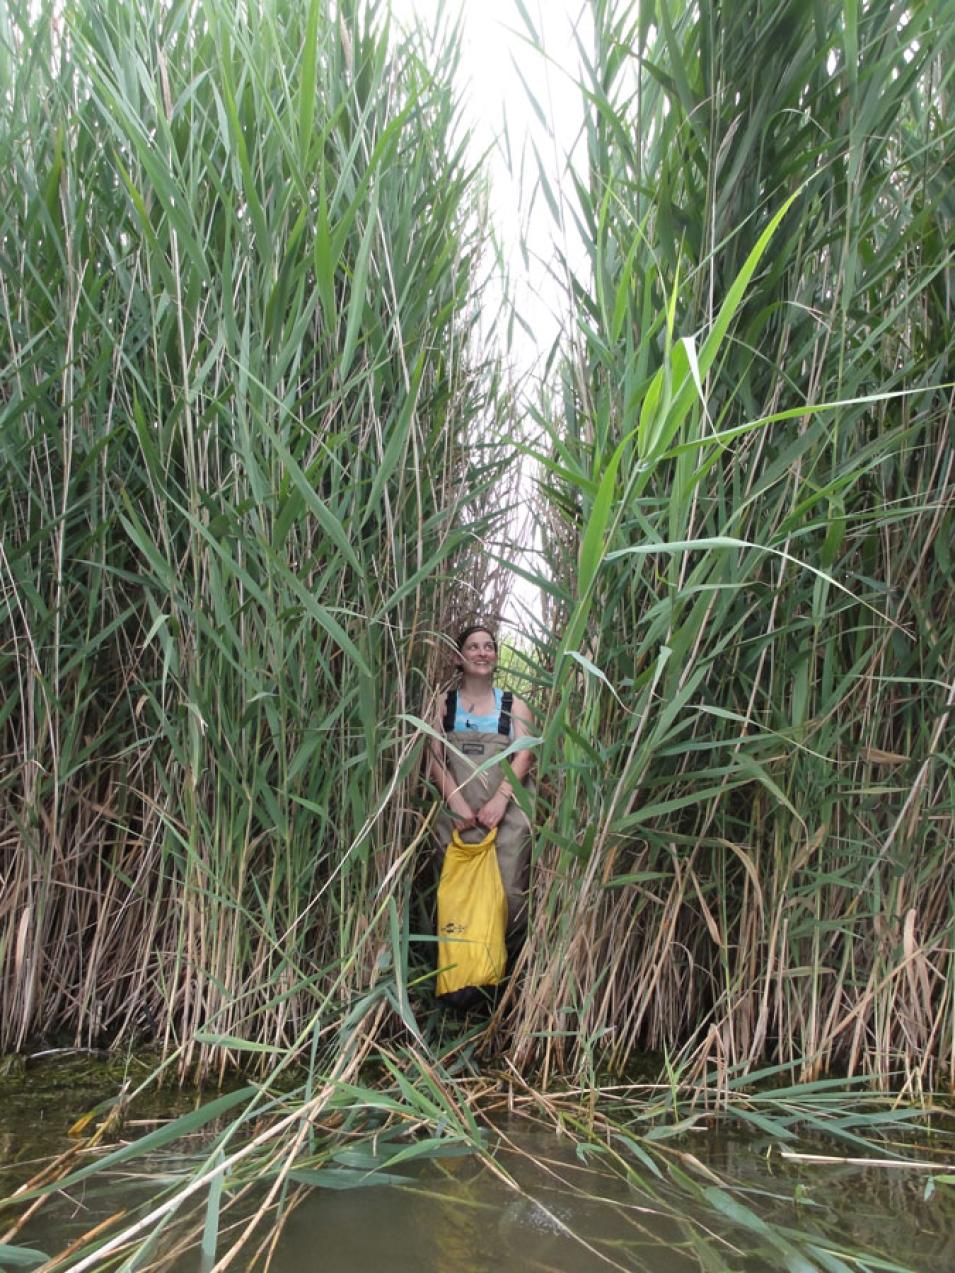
x=865 y=1162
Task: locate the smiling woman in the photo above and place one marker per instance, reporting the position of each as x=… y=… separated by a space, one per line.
x=479 y=722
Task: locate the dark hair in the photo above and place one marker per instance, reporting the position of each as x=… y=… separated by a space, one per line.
x=475 y=627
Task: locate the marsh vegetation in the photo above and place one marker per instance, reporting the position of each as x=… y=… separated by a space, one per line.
x=258 y=456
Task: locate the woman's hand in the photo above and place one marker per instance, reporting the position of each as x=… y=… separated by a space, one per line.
x=492 y=812
x=461 y=812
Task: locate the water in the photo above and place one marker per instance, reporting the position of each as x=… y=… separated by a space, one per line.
x=559 y=1207
x=577 y=1218
x=458 y=1217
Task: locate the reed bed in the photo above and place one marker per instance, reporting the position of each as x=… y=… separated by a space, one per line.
x=245 y=457
x=257 y=457
x=746 y=489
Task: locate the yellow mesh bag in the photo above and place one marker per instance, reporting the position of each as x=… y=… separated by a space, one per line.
x=472 y=916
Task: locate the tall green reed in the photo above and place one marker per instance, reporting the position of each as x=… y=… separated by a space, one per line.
x=746 y=488
x=246 y=472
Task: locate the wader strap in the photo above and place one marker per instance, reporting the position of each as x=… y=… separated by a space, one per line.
x=450 y=711
x=504 y=720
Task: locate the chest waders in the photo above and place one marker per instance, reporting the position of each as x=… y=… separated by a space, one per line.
x=467 y=750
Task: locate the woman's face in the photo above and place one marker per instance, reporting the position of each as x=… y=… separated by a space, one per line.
x=478 y=656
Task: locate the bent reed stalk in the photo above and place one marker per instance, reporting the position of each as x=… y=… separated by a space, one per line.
x=747 y=483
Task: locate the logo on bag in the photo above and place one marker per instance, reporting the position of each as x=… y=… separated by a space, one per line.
x=450 y=928
x=473 y=749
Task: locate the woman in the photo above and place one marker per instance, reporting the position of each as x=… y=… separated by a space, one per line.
x=479 y=722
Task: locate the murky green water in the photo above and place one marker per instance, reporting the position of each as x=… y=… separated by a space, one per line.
x=457 y=1218
x=560 y=1209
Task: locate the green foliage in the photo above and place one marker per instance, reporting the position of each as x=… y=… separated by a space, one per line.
x=747 y=491
x=246 y=467
x=243 y=453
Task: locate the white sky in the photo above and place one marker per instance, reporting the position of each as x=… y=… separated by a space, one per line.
x=496 y=52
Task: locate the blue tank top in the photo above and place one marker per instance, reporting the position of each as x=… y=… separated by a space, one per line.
x=487 y=724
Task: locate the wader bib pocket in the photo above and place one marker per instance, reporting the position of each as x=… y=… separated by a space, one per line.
x=472 y=916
